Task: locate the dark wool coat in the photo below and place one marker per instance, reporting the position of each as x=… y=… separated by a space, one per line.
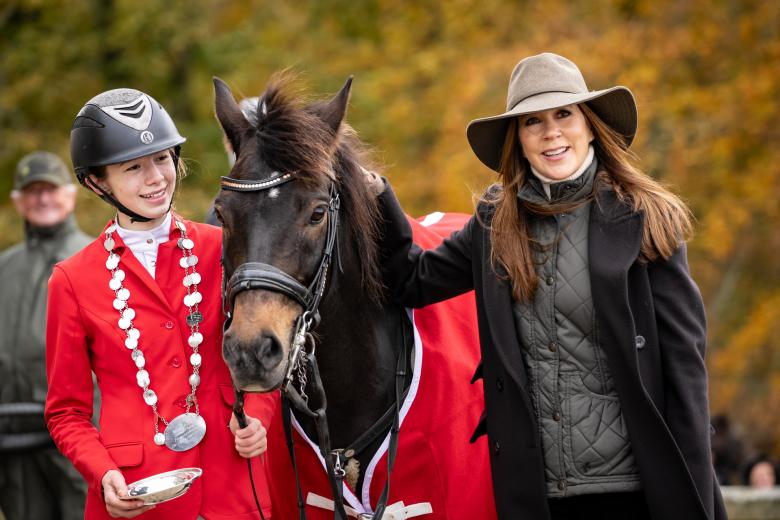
x=652 y=328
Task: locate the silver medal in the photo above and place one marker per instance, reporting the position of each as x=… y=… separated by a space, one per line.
x=185 y=432
x=112 y=261
x=195 y=339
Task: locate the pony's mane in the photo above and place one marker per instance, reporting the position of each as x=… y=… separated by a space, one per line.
x=293 y=137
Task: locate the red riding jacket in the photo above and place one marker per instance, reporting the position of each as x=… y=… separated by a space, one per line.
x=83 y=337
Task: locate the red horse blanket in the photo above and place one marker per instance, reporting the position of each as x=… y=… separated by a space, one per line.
x=438 y=474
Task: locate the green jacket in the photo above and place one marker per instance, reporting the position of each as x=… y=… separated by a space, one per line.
x=24 y=273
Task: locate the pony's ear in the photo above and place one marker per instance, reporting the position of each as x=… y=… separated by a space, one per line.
x=229 y=114
x=333 y=111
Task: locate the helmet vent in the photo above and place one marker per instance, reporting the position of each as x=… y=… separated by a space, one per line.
x=136 y=114
x=135 y=111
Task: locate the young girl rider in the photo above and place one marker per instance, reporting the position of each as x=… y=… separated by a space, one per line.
x=141 y=308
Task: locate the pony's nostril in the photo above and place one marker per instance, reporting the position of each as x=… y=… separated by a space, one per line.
x=269 y=351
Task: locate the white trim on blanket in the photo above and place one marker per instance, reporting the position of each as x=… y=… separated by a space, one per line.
x=432 y=218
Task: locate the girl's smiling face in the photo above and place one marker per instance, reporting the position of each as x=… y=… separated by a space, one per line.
x=144 y=185
x=555 y=141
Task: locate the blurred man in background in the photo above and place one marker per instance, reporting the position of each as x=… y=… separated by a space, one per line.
x=36 y=481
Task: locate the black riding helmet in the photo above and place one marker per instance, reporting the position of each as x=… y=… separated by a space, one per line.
x=116 y=126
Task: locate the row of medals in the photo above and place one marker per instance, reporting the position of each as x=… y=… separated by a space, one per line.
x=188 y=429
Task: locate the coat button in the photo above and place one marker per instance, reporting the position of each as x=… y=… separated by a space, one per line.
x=552 y=346
x=640 y=342
x=561 y=485
x=550 y=280
x=168 y=324
x=499 y=384
x=556 y=417
x=496 y=448
x=181 y=402
x=175 y=362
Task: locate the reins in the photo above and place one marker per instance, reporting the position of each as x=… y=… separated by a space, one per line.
x=302 y=362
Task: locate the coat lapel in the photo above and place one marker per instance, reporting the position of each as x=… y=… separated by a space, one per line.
x=130 y=263
x=498 y=308
x=615 y=236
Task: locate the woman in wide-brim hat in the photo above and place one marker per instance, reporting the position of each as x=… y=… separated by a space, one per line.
x=591 y=328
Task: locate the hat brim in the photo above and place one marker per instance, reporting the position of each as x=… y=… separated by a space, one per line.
x=54 y=179
x=615 y=106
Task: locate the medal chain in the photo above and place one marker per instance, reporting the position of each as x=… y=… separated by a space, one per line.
x=192 y=300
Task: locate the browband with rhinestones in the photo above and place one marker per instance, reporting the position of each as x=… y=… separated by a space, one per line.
x=229 y=183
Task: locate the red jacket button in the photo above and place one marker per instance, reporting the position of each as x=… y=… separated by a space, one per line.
x=169 y=324
x=175 y=362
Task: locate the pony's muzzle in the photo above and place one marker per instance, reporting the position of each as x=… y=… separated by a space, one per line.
x=257 y=342
x=254 y=364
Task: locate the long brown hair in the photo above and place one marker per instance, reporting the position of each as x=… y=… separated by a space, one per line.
x=667 y=220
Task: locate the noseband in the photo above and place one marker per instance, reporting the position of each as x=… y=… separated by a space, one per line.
x=258 y=275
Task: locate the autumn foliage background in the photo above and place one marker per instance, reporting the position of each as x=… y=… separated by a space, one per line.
x=706 y=75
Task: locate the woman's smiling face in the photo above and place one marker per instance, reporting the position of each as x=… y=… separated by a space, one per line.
x=555 y=141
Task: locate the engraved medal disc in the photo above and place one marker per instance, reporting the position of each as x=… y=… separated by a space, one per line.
x=185 y=432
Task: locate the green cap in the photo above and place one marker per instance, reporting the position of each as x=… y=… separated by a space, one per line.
x=41 y=167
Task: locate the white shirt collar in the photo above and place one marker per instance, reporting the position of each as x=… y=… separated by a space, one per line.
x=144 y=244
x=135 y=239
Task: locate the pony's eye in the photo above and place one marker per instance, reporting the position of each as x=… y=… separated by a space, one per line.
x=317 y=215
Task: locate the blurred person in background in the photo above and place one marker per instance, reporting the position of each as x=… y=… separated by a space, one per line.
x=36 y=481
x=591 y=328
x=141 y=306
x=728 y=452
x=760 y=472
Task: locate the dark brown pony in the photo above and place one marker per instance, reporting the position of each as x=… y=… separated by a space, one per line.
x=359 y=337
x=298 y=173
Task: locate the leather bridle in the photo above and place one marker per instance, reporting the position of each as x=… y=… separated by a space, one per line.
x=258 y=275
